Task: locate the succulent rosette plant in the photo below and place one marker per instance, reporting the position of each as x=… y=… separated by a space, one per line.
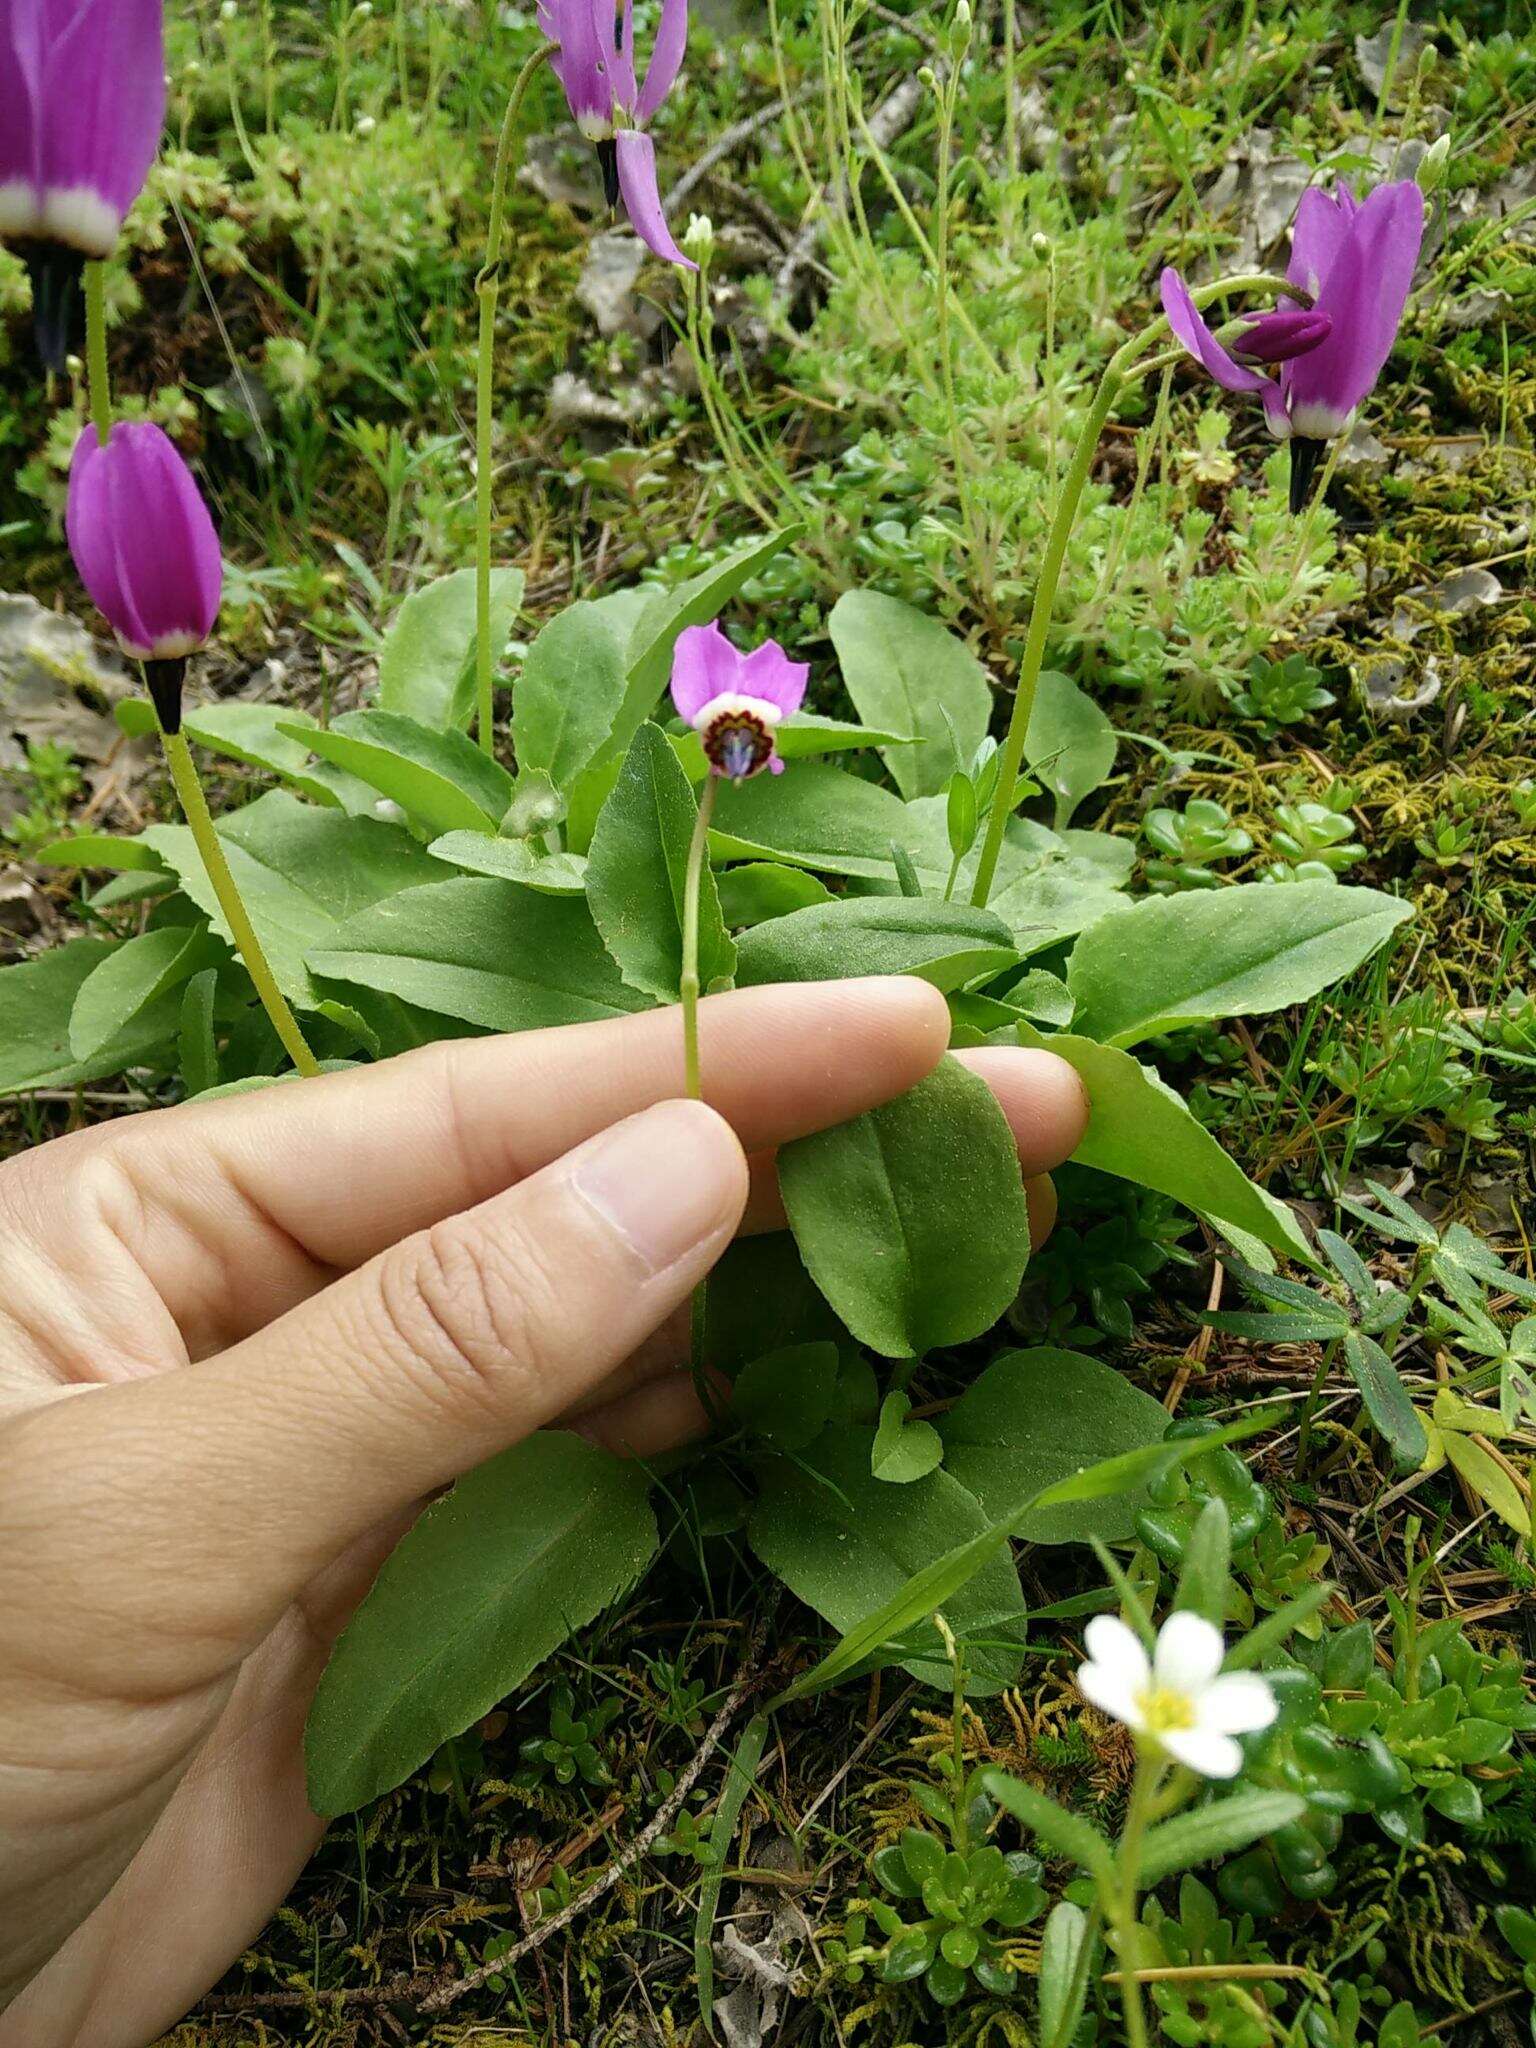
x=1355 y=260
x=594 y=60
x=82 y=100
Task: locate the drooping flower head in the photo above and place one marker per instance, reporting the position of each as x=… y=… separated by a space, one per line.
x=1178 y=1700
x=594 y=61
x=146 y=550
x=82 y=100
x=736 y=702
x=1356 y=262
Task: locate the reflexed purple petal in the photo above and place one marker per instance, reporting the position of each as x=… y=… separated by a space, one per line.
x=143 y=541
x=1189 y=327
x=623 y=67
x=100 y=110
x=666 y=57
x=1319 y=233
x=582 y=66
x=1364 y=294
x=20 y=67
x=704 y=667
x=768 y=674
x=1276 y=337
x=642 y=201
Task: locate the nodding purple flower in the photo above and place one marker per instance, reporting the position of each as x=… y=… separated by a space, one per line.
x=82 y=100
x=594 y=61
x=147 y=552
x=736 y=702
x=1356 y=261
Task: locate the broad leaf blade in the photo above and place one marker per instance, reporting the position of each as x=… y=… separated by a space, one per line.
x=427 y=669
x=948 y=944
x=442 y=778
x=637 y=874
x=492 y=1578
x=1238 y=952
x=885 y=1211
x=570 y=694
x=1070 y=744
x=1220 y=1829
x=907 y=671
x=1386 y=1401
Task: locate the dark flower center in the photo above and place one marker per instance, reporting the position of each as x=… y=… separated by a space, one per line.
x=58 y=320
x=738 y=744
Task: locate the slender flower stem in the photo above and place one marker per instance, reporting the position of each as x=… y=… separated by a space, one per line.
x=99 y=377
x=487 y=290
x=1122 y=365
x=194 y=805
x=1314 y=1395
x=1143 y=1792
x=693 y=881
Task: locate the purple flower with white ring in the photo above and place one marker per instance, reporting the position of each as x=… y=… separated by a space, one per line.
x=594 y=61
x=147 y=552
x=82 y=102
x=1356 y=261
x=736 y=702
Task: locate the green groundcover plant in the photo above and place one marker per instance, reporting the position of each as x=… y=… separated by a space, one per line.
x=660 y=818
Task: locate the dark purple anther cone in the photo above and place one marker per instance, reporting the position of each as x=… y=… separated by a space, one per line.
x=165 y=680
x=1305 y=456
x=82 y=100
x=608 y=164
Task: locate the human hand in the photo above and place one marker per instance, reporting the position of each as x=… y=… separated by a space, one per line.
x=241 y=1341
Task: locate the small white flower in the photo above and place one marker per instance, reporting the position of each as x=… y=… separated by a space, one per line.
x=1177 y=1699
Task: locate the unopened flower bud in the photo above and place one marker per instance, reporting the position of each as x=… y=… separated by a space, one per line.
x=1431 y=171
x=365 y=124
x=230 y=10
x=700 y=235
x=1041 y=244
x=927 y=78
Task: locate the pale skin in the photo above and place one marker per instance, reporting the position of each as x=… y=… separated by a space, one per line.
x=241 y=1342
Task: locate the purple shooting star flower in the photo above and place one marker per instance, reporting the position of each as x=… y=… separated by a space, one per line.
x=147 y=552
x=1356 y=261
x=82 y=99
x=736 y=702
x=594 y=61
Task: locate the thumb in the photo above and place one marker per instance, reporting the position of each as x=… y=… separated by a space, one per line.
x=191 y=1507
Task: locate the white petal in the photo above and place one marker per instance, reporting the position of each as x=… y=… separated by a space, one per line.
x=1108 y=1691
x=1117 y=1670
x=1204 y=1750
x=1237 y=1704
x=1189 y=1653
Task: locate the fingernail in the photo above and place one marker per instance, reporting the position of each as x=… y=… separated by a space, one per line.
x=664 y=1180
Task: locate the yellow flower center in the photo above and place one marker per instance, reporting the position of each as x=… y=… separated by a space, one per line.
x=1166 y=1711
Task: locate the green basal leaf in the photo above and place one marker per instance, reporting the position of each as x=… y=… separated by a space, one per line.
x=37 y=999
x=100 y=850
x=1386 y=1401
x=1235 y=952
x=1220 y=1829
x=637 y=875
x=786 y=1397
x=570 y=693
x=948 y=944
x=1068 y=1834
x=131 y=980
x=488 y=1582
x=491 y=953
x=1140 y=1131
x=302 y=873
x=427 y=669
x=906 y=670
x=885 y=1212
x=903 y=1451
x=823 y=818
x=259 y=736
x=1070 y=744
x=441 y=779
x=1065 y=1973
x=762 y=889
x=1035 y=1418
x=196 y=1047
x=848 y=1545
x=513 y=860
